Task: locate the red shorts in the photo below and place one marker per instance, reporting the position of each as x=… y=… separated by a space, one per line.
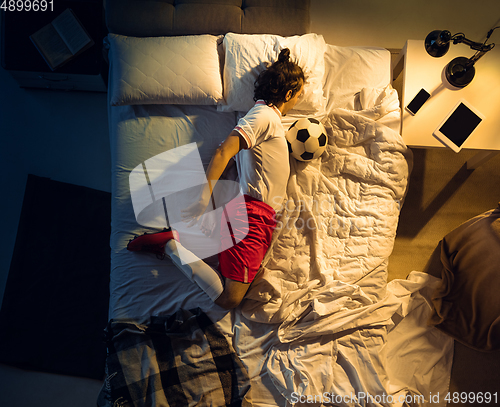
x=241 y=262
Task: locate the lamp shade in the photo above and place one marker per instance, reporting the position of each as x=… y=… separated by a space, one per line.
x=460 y=72
x=437 y=42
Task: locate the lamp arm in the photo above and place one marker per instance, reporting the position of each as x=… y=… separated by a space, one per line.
x=481 y=52
x=481 y=48
x=476 y=46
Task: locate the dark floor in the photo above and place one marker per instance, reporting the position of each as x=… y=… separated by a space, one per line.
x=63 y=136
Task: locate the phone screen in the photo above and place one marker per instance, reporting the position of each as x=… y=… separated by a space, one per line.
x=417 y=102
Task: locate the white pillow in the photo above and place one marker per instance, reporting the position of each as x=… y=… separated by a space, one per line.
x=165 y=70
x=247 y=55
x=351 y=69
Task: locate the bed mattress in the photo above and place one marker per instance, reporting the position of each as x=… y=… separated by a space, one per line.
x=139 y=132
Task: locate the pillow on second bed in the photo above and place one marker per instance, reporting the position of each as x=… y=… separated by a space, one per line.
x=165 y=70
x=247 y=55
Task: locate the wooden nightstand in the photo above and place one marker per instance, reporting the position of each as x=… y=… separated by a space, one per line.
x=87 y=71
x=420 y=70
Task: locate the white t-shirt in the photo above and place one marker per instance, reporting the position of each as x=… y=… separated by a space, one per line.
x=263 y=167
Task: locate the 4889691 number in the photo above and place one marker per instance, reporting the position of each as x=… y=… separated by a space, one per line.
x=27 y=5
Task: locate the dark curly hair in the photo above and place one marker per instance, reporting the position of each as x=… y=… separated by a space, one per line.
x=273 y=84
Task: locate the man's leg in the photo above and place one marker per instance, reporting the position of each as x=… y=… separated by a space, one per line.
x=225 y=292
x=227 y=295
x=196 y=269
x=233 y=294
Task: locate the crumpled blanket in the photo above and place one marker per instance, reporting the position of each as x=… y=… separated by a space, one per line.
x=177 y=360
x=323 y=283
x=403 y=362
x=338 y=222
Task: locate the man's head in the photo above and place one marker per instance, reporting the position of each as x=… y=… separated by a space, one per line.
x=281 y=83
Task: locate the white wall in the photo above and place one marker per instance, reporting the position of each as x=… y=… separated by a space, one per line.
x=389 y=23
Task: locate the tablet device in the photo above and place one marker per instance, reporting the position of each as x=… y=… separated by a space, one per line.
x=457 y=127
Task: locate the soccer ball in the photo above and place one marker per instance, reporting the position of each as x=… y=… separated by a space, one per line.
x=306 y=139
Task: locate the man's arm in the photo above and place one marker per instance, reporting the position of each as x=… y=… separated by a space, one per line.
x=227 y=150
x=222 y=156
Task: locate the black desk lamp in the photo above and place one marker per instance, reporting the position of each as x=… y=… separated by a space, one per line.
x=459 y=71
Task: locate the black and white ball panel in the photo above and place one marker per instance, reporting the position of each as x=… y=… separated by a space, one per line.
x=306 y=139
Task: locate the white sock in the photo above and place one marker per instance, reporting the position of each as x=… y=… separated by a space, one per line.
x=196 y=269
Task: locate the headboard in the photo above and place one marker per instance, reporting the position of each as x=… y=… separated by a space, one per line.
x=152 y=18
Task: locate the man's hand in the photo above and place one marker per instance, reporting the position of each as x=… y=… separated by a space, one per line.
x=193 y=212
x=208 y=223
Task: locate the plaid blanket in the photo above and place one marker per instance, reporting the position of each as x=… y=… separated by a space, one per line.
x=177 y=360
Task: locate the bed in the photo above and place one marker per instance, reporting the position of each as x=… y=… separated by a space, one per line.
x=320 y=325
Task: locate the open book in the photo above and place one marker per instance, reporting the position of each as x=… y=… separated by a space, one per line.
x=62 y=39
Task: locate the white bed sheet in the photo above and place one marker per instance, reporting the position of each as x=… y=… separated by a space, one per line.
x=142 y=285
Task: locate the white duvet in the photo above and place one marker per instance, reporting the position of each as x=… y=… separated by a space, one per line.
x=322 y=287
x=339 y=219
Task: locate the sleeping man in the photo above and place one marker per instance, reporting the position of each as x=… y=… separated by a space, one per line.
x=259 y=148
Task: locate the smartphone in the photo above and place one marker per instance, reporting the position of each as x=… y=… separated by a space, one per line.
x=417 y=102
